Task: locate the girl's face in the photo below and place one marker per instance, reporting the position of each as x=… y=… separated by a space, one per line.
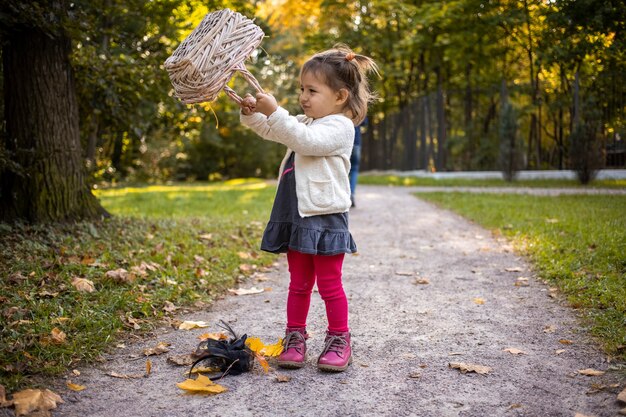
x=318 y=99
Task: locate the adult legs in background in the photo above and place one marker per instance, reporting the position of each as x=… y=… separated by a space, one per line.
x=355 y=161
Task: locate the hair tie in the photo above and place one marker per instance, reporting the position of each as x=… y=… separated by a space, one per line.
x=350 y=56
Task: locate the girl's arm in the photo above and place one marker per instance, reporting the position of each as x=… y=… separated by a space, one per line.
x=328 y=136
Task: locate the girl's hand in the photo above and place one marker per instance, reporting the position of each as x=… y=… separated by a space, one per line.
x=266 y=104
x=248 y=105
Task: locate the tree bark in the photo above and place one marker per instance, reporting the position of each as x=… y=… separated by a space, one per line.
x=43 y=138
x=441 y=124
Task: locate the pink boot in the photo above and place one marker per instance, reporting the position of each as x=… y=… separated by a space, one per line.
x=337 y=353
x=294 y=348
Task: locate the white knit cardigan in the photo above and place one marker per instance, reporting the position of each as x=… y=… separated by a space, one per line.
x=322 y=161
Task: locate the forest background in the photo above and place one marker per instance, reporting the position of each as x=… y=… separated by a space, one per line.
x=463 y=83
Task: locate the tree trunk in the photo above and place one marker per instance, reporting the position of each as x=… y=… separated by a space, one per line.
x=441 y=124
x=423 y=112
x=469 y=111
x=43 y=138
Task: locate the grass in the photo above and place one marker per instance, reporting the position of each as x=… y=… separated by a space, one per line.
x=462 y=182
x=184 y=245
x=577 y=243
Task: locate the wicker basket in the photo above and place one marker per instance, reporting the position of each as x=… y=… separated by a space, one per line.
x=208 y=58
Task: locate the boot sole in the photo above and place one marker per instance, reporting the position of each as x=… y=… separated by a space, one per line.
x=331 y=368
x=290 y=365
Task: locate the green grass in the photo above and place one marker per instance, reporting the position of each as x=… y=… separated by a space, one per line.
x=578 y=243
x=461 y=182
x=197 y=236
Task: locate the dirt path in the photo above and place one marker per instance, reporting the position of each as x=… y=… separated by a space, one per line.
x=404 y=335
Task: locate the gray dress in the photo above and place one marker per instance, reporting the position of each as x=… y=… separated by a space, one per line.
x=326 y=234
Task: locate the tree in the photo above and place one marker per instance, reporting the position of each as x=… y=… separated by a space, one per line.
x=41 y=112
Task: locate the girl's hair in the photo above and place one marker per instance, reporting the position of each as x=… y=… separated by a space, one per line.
x=340 y=68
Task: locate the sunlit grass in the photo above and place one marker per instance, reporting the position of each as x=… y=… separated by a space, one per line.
x=466 y=182
x=576 y=242
x=196 y=236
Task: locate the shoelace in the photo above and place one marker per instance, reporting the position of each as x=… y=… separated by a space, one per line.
x=294 y=340
x=335 y=344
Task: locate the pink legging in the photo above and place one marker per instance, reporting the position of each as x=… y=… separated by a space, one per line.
x=304 y=269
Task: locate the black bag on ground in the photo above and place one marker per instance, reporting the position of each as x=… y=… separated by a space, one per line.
x=229 y=356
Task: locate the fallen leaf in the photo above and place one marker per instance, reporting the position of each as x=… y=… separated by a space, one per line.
x=514 y=351
x=244 y=255
x=515 y=405
x=256 y=345
x=559 y=351
x=565 y=342
x=123 y=376
x=206 y=236
x=521 y=282
x=181 y=360
x=31 y=400
x=244 y=291
x=57 y=336
x=549 y=329
x=479 y=301
x=415 y=375
x=455 y=353
x=120 y=275
x=3 y=398
x=76 y=372
x=201 y=384
x=263 y=362
x=214 y=336
x=513 y=269
x=422 y=281
x=148 y=367
x=282 y=378
x=469 y=367
x=202 y=370
x=590 y=372
x=169 y=307
x=75 y=387
x=160 y=348
x=622 y=396
x=405 y=273
x=581 y=415
x=83 y=285
x=188 y=325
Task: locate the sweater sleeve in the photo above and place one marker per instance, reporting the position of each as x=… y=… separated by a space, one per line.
x=330 y=135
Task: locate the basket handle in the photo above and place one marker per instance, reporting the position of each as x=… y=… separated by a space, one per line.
x=249 y=78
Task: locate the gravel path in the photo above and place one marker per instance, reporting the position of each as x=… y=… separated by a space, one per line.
x=523 y=190
x=405 y=335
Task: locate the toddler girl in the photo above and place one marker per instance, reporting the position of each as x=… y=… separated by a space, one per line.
x=309 y=219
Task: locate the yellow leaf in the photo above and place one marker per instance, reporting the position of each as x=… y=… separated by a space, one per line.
x=35 y=400
x=201 y=384
x=83 y=285
x=148 y=367
x=57 y=336
x=256 y=345
x=214 y=336
x=188 y=325
x=203 y=370
x=590 y=372
x=262 y=362
x=75 y=387
x=479 y=301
